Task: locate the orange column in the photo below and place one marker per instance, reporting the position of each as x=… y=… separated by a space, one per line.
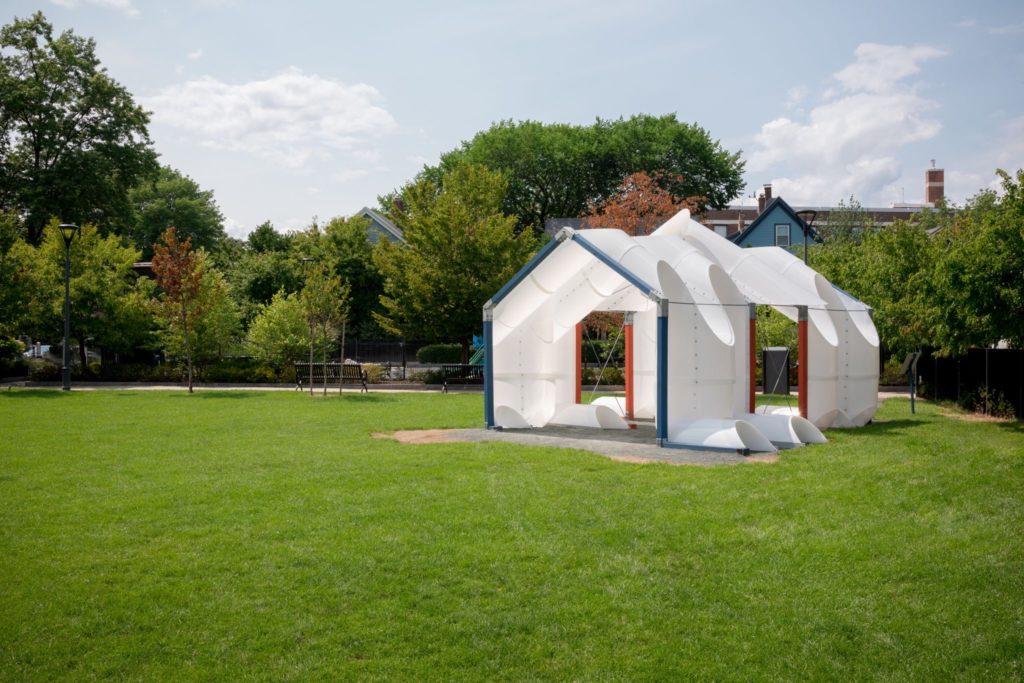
x=628 y=331
x=802 y=358
x=752 y=403
x=579 y=362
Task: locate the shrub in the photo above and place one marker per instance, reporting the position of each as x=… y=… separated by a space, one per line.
x=428 y=377
x=891 y=375
x=239 y=370
x=987 y=402
x=374 y=373
x=609 y=376
x=440 y=353
x=10 y=349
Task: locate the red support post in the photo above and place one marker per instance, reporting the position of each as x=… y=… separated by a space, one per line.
x=752 y=402
x=579 y=362
x=802 y=359
x=628 y=331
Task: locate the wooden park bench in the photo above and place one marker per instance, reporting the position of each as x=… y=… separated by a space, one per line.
x=337 y=374
x=458 y=373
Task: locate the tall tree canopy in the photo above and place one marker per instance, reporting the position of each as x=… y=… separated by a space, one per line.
x=557 y=170
x=171 y=198
x=72 y=139
x=460 y=250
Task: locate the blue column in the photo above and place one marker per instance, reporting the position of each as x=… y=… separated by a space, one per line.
x=662 y=407
x=488 y=366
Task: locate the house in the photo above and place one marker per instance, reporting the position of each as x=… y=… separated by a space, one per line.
x=736 y=218
x=778 y=225
x=380 y=226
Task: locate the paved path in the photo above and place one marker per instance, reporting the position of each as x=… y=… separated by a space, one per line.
x=634 y=445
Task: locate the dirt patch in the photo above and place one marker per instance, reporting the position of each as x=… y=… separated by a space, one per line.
x=418 y=436
x=964 y=416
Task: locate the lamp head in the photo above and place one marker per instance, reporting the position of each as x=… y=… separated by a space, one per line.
x=68 y=231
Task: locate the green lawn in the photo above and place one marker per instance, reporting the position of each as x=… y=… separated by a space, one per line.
x=226 y=535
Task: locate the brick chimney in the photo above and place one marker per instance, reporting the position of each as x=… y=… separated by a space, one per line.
x=934 y=184
x=764 y=198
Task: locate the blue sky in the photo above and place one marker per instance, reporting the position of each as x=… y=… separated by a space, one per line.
x=293 y=110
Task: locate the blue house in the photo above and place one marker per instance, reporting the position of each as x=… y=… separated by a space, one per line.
x=381 y=227
x=776 y=226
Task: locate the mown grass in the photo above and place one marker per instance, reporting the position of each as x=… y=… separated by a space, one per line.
x=226 y=535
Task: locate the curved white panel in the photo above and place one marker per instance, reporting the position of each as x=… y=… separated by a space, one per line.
x=616 y=403
x=791 y=429
x=599 y=416
x=732 y=434
x=508 y=417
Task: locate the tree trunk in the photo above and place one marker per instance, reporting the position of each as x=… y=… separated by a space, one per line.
x=323 y=356
x=341 y=357
x=81 y=355
x=465 y=350
x=188 y=345
x=309 y=372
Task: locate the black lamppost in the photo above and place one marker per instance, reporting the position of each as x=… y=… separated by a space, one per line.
x=68 y=232
x=306 y=262
x=807 y=217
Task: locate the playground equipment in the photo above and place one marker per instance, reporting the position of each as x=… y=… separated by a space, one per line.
x=690 y=300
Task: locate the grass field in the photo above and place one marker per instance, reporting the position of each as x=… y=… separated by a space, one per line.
x=226 y=535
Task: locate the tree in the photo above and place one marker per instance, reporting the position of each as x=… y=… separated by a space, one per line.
x=460 y=249
x=108 y=309
x=179 y=274
x=978 y=282
x=638 y=205
x=171 y=198
x=325 y=301
x=848 y=222
x=352 y=256
x=279 y=332
x=557 y=170
x=266 y=239
x=74 y=141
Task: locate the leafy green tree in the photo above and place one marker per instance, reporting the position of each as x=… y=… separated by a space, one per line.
x=266 y=239
x=279 y=333
x=979 y=274
x=74 y=141
x=557 y=170
x=891 y=271
x=352 y=257
x=848 y=222
x=171 y=198
x=108 y=309
x=325 y=300
x=460 y=250
x=14 y=275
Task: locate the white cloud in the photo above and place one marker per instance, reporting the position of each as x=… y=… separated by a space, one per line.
x=878 y=68
x=291 y=118
x=1007 y=30
x=235 y=229
x=847 y=143
x=195 y=54
x=126 y=6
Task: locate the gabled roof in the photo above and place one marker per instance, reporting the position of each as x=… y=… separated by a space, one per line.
x=383 y=221
x=780 y=203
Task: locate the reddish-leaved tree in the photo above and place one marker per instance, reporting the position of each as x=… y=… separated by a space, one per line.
x=639 y=205
x=179 y=274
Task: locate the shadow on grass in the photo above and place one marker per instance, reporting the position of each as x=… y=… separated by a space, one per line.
x=1016 y=427
x=31 y=393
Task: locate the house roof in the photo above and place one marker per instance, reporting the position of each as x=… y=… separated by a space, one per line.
x=383 y=221
x=777 y=202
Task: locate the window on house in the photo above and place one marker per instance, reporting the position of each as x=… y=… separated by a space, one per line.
x=722 y=230
x=782 y=234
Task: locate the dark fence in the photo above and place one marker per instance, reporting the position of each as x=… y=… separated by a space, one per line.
x=980 y=375
x=396 y=353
